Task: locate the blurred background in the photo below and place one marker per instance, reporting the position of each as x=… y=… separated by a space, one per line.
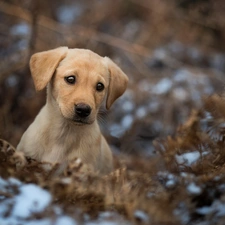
x=172 y=52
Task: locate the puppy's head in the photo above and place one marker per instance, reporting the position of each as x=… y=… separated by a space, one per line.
x=79 y=81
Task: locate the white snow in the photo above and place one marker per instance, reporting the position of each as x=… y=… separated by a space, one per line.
x=131 y=29
x=153 y=106
x=163 y=86
x=160 y=53
x=68 y=180
x=192 y=188
x=68 y=13
x=14 y=181
x=105 y=215
x=182 y=75
x=27 y=199
x=128 y=106
x=107 y=218
x=127 y=121
x=182 y=212
x=217 y=208
x=141 y=215
x=65 y=220
x=186 y=175
x=37 y=222
x=204 y=210
x=32 y=199
x=21 y=29
x=14 y=221
x=141 y=112
x=103 y=223
x=12 y=81
x=170 y=183
x=188 y=158
x=116 y=130
x=57 y=210
x=180 y=94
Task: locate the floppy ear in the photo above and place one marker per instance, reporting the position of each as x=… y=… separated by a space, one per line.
x=117 y=82
x=43 y=65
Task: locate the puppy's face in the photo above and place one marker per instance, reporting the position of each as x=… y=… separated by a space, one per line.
x=79 y=85
x=79 y=81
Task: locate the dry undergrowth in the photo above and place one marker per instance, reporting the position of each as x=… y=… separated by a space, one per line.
x=160 y=186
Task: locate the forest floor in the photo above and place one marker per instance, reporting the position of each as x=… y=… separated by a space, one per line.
x=166 y=132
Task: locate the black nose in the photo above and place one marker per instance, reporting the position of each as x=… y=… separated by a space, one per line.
x=82 y=110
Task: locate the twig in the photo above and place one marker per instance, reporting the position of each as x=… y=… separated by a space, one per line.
x=35 y=10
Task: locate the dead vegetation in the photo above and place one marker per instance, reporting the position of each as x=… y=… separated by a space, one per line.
x=167 y=132
x=182 y=184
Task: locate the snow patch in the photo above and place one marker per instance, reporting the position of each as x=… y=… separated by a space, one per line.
x=141 y=112
x=13 y=221
x=163 y=86
x=32 y=199
x=65 y=220
x=128 y=106
x=116 y=130
x=180 y=94
x=192 y=188
x=21 y=29
x=160 y=53
x=102 y=223
x=68 y=13
x=138 y=214
x=188 y=158
x=170 y=183
x=217 y=208
x=12 y=81
x=182 y=76
x=14 y=181
x=127 y=121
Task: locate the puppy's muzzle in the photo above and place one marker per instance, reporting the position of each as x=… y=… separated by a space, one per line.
x=82 y=110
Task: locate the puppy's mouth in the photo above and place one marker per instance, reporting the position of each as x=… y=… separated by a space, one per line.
x=81 y=122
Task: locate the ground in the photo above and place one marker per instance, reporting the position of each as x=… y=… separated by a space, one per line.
x=166 y=132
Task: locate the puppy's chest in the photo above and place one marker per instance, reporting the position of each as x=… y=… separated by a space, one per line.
x=59 y=150
x=67 y=147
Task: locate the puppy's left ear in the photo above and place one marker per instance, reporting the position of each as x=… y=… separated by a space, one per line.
x=117 y=82
x=43 y=65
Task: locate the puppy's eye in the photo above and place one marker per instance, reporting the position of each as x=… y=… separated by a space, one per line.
x=70 y=79
x=100 y=86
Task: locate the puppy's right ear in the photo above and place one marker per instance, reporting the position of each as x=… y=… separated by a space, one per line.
x=44 y=64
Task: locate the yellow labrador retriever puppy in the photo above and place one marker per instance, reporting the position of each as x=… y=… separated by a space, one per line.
x=77 y=81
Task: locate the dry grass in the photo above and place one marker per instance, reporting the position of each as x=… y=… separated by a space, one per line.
x=158 y=186
x=129 y=32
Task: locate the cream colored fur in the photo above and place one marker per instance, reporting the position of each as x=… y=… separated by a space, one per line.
x=55 y=136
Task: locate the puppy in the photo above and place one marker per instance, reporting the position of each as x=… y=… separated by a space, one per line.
x=78 y=81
